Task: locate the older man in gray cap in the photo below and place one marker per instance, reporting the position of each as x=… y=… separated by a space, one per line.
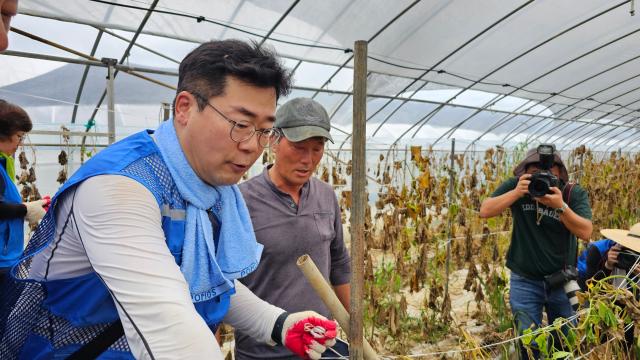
x=543 y=242
x=293 y=214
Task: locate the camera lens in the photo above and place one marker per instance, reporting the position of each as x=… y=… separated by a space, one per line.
x=571 y=288
x=539 y=186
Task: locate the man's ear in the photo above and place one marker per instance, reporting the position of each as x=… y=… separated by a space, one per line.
x=185 y=103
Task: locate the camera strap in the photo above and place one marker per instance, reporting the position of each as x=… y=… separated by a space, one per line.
x=566 y=192
x=566 y=197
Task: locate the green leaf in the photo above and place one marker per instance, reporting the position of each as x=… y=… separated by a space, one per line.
x=561 y=355
x=541 y=340
x=527 y=337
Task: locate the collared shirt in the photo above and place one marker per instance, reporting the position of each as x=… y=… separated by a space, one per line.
x=287 y=231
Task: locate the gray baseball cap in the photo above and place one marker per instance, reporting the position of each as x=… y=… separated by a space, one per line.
x=303 y=118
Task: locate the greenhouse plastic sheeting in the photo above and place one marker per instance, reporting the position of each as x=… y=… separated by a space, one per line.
x=481 y=71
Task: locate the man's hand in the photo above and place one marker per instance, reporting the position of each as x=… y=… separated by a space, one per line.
x=554 y=200
x=308 y=334
x=522 y=188
x=612 y=257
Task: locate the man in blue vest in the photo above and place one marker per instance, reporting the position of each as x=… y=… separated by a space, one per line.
x=152 y=233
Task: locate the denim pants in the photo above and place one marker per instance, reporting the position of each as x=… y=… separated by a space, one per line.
x=528 y=298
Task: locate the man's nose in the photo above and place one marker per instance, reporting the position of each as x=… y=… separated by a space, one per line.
x=250 y=145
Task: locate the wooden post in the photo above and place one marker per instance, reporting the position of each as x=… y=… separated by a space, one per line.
x=166 y=111
x=450 y=224
x=111 y=115
x=358 y=199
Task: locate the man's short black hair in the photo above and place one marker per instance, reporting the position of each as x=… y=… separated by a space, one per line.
x=13 y=118
x=205 y=69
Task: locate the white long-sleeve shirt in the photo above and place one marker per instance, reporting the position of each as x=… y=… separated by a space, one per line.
x=114 y=227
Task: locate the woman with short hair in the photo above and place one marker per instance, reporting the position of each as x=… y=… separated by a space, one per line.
x=14 y=126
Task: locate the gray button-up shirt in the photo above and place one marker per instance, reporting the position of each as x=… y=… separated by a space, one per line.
x=288 y=231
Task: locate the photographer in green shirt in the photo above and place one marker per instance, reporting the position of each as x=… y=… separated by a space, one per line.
x=548 y=214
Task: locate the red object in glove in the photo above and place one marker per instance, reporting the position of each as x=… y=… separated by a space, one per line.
x=310 y=337
x=47 y=202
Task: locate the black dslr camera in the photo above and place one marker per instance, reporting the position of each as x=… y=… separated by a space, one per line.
x=567 y=279
x=561 y=277
x=543 y=179
x=626 y=259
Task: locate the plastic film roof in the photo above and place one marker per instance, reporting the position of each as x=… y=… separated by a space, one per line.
x=483 y=72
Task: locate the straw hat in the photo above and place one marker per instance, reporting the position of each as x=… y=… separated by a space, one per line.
x=627 y=238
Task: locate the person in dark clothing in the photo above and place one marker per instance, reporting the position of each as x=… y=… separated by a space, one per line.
x=14 y=125
x=591 y=262
x=544 y=235
x=617 y=255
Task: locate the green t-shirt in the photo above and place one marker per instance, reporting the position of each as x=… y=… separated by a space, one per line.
x=539 y=250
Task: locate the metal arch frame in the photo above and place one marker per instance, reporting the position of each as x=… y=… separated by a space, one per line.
x=603 y=137
x=233 y=17
x=378 y=96
x=93 y=24
x=389 y=23
x=635 y=138
x=478 y=35
x=608 y=134
x=347 y=93
x=419 y=78
x=85 y=73
x=501 y=122
x=628 y=143
x=512 y=134
x=102 y=30
x=273 y=28
x=603 y=140
x=557 y=134
x=605 y=130
x=373 y=37
x=347 y=96
x=154 y=52
x=349 y=4
x=597 y=118
x=563 y=111
x=93 y=62
x=583 y=136
x=427 y=118
x=300 y=61
x=582 y=114
x=453 y=129
x=130 y=69
x=127 y=50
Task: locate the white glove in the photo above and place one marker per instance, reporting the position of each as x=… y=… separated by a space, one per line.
x=308 y=334
x=35 y=211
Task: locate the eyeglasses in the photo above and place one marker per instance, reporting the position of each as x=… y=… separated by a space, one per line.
x=243 y=130
x=21 y=138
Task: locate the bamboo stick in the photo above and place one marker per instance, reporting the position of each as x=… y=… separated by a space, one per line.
x=328 y=296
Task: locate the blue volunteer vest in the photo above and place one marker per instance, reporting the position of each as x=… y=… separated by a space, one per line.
x=11 y=230
x=52 y=319
x=602 y=245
